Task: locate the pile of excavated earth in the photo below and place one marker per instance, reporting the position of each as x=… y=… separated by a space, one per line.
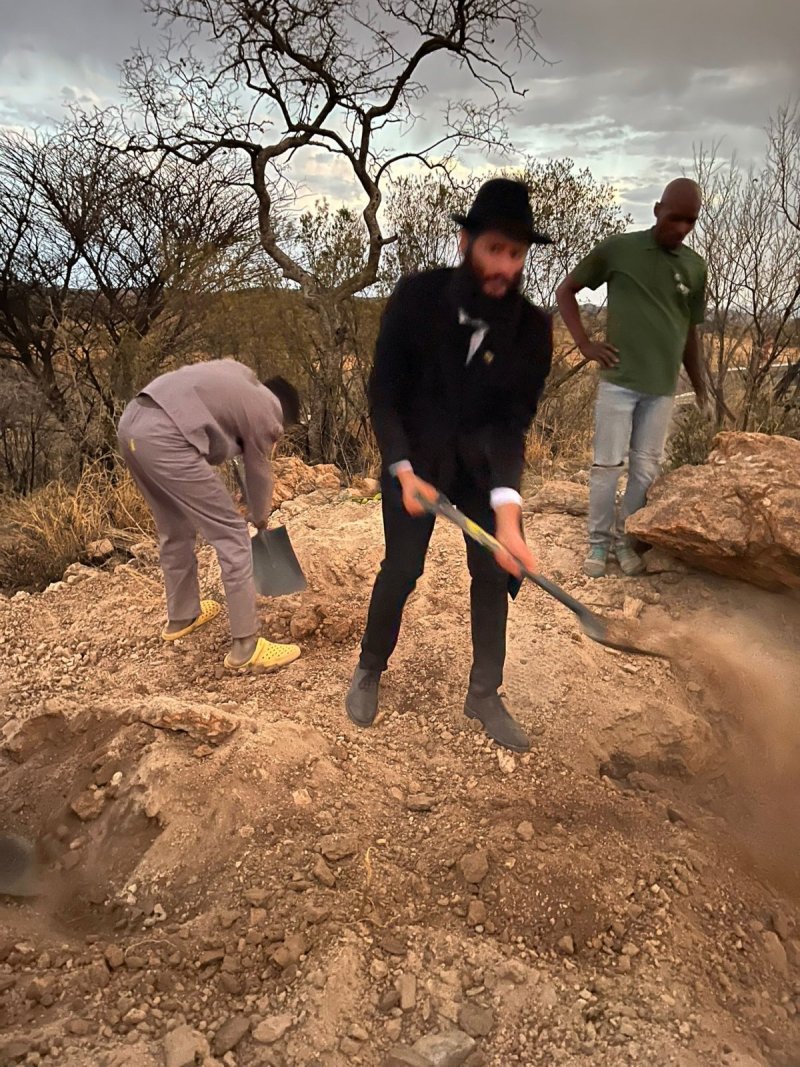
x=233 y=874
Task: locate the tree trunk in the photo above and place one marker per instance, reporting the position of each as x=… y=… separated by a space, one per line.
x=328 y=435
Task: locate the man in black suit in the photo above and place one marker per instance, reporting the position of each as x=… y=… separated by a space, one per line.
x=460 y=364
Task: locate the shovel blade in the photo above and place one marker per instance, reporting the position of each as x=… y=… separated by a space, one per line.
x=618 y=634
x=17 y=866
x=276 y=570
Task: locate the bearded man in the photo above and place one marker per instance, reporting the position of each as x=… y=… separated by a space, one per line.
x=461 y=360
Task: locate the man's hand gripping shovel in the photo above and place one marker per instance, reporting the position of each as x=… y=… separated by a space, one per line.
x=612 y=633
x=276 y=570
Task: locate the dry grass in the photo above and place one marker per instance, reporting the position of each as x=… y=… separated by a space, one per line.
x=693 y=435
x=562 y=434
x=41 y=534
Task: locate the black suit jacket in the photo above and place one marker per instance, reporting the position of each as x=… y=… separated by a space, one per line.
x=429 y=407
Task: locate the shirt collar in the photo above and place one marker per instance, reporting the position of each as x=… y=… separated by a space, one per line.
x=652 y=244
x=466 y=320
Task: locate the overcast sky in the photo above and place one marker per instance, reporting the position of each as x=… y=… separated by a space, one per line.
x=633 y=85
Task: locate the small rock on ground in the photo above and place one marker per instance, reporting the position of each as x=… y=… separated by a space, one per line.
x=407 y=988
x=335 y=847
x=474 y=866
x=567 y=945
x=89 y=804
x=475 y=1020
x=184 y=1047
x=776 y=953
x=476 y=913
x=272 y=1029
x=449 y=1049
x=230 y=1034
x=324 y=874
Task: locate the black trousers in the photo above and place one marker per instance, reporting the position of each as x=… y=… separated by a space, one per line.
x=407 y=541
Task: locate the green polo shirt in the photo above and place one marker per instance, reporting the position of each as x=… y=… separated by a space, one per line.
x=654 y=296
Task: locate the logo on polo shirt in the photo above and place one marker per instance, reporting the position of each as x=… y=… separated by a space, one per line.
x=683 y=288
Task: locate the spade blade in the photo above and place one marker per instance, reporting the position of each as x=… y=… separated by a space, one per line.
x=276 y=569
x=17 y=866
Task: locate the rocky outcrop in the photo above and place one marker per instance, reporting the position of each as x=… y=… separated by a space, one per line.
x=203 y=722
x=293 y=478
x=738 y=514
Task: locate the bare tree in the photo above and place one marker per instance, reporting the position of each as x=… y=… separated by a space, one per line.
x=716 y=237
x=575 y=210
x=752 y=249
x=105 y=268
x=783 y=153
x=770 y=255
x=38 y=268
x=570 y=205
x=33 y=447
x=784 y=157
x=273 y=79
x=417 y=212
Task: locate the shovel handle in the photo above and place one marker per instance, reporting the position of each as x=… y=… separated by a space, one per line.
x=442 y=506
x=239 y=480
x=237 y=472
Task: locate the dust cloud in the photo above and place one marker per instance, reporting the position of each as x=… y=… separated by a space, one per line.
x=748 y=669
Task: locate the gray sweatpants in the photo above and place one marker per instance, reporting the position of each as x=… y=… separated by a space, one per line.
x=187 y=497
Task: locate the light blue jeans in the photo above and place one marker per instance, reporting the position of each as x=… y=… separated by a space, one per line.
x=627 y=424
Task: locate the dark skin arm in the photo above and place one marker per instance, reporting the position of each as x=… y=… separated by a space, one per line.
x=697 y=372
x=596 y=351
x=606 y=355
x=694 y=366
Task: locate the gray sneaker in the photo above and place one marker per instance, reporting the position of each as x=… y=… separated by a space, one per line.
x=361 y=702
x=630 y=562
x=492 y=714
x=595 y=563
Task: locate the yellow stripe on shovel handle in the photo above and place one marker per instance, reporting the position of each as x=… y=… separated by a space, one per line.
x=480 y=535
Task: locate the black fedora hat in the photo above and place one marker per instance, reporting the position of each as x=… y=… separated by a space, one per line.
x=503 y=204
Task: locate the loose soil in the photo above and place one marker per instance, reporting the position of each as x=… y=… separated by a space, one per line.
x=626 y=893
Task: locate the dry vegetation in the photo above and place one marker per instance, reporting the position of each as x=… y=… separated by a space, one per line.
x=46 y=531
x=43 y=531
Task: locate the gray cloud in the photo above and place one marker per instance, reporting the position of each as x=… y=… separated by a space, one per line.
x=99 y=31
x=673 y=37
x=637 y=85
x=633 y=84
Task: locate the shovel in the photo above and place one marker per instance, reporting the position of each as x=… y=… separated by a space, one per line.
x=276 y=570
x=607 y=632
x=17 y=866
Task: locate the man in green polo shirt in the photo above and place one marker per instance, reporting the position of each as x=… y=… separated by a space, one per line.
x=656 y=299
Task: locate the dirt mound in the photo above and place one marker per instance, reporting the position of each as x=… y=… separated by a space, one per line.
x=233 y=874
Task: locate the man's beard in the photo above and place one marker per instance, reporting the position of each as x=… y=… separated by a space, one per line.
x=479 y=303
x=511 y=287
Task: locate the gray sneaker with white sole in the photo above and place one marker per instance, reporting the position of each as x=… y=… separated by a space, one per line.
x=596 y=562
x=630 y=562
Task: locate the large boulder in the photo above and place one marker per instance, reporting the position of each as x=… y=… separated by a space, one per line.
x=737 y=515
